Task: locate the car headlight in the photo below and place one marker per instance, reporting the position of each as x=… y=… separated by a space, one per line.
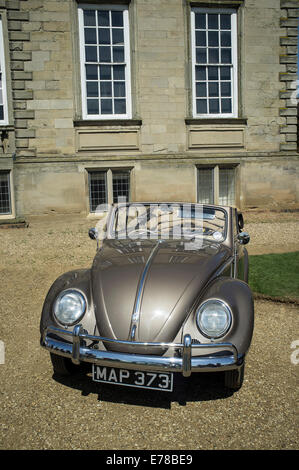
x=213 y=318
x=69 y=307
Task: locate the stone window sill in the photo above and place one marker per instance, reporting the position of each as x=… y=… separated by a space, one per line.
x=107 y=122
x=209 y=121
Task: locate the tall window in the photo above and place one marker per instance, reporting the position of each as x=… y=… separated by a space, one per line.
x=105 y=61
x=216 y=185
x=5 y=195
x=214 y=62
x=108 y=186
x=3 y=97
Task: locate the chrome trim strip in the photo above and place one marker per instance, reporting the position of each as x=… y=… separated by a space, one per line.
x=137 y=306
x=187 y=356
x=78 y=352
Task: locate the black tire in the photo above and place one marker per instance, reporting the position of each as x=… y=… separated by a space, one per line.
x=233 y=379
x=63 y=365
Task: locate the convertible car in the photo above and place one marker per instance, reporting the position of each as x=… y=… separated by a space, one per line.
x=167 y=293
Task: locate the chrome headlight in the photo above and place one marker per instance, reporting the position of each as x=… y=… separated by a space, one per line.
x=213 y=318
x=69 y=307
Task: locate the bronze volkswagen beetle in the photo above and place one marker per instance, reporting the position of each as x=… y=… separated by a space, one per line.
x=167 y=293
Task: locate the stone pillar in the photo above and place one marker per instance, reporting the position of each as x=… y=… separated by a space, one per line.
x=289 y=77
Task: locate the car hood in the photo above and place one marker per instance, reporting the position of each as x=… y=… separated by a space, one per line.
x=157 y=281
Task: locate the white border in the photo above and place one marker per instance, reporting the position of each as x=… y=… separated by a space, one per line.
x=124 y=8
x=234 y=62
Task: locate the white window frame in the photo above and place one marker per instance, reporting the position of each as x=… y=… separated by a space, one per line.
x=234 y=82
x=5 y=120
x=108 y=172
x=11 y=214
x=216 y=181
x=127 y=62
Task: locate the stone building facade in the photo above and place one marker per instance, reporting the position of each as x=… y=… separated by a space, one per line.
x=170 y=100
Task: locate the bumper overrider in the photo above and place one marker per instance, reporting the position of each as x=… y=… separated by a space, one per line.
x=183 y=360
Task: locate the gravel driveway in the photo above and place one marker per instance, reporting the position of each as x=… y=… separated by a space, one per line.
x=39 y=411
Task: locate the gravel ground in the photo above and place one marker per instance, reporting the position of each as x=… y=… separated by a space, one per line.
x=39 y=411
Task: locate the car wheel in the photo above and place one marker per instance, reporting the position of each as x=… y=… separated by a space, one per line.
x=234 y=378
x=63 y=365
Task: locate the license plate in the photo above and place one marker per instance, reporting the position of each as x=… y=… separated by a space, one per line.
x=133 y=378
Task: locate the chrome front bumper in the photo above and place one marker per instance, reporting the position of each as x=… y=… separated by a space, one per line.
x=183 y=361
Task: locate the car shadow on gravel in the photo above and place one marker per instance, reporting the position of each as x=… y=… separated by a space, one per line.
x=197 y=388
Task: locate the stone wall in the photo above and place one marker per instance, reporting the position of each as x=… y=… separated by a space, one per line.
x=51 y=147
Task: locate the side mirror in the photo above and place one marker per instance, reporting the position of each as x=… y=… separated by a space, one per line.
x=243 y=238
x=93 y=233
x=240 y=221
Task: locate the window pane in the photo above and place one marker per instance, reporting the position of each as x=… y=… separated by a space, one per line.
x=106 y=89
x=212 y=21
x=105 y=54
x=118 y=72
x=225 y=73
x=226 y=56
x=91 y=54
x=92 y=89
x=213 y=89
x=104 y=36
x=92 y=106
x=120 y=106
x=214 y=106
x=105 y=72
x=103 y=18
x=121 y=186
x=226 y=38
x=205 y=186
x=117 y=36
x=225 y=89
x=91 y=72
x=226 y=106
x=213 y=73
x=97 y=189
x=89 y=18
x=225 y=21
x=213 y=56
x=119 y=89
x=201 y=56
x=201 y=106
x=201 y=89
x=118 y=54
x=90 y=36
x=117 y=18
x=200 y=38
x=200 y=73
x=106 y=106
x=227 y=186
x=213 y=38
x=200 y=20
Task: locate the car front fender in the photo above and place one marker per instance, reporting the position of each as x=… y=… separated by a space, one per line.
x=78 y=279
x=238 y=296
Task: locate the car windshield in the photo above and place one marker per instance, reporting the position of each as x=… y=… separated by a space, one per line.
x=169 y=221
